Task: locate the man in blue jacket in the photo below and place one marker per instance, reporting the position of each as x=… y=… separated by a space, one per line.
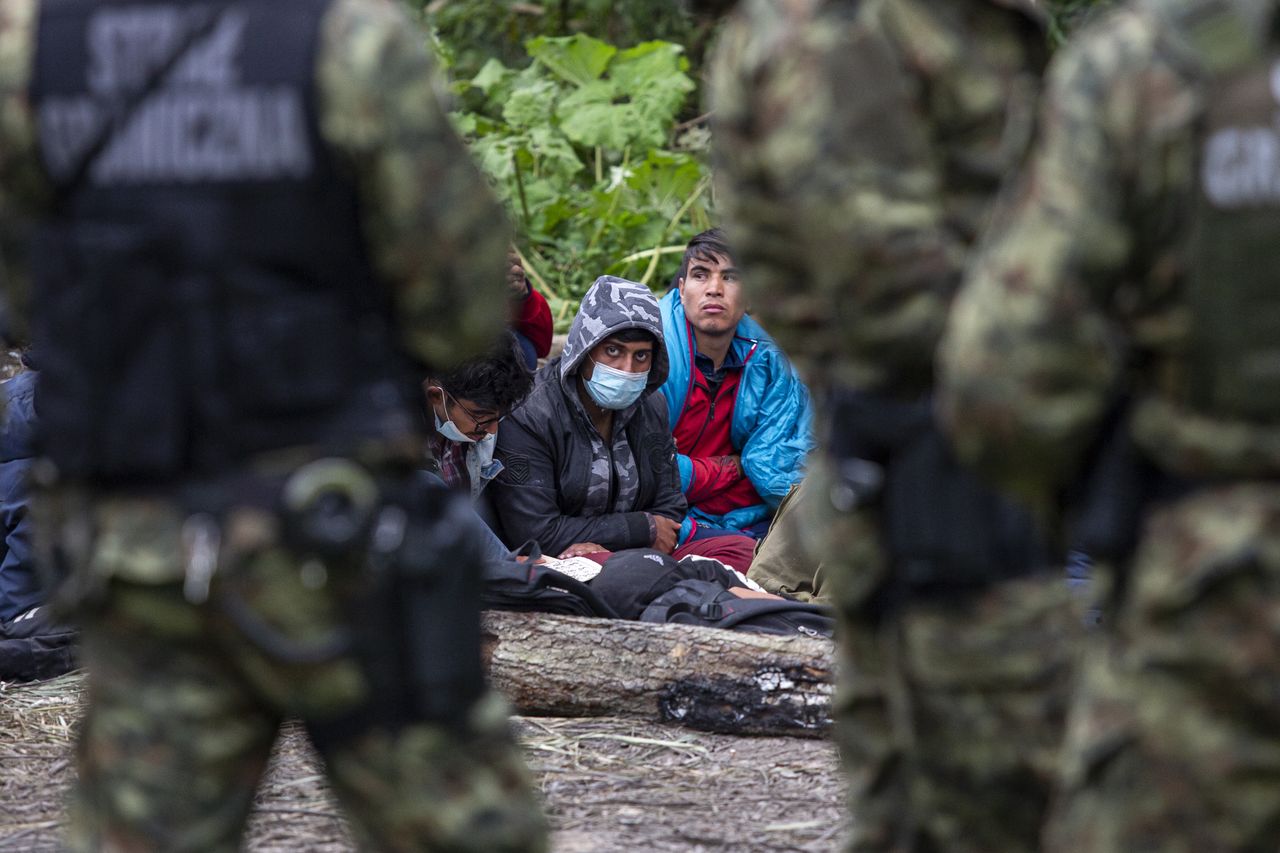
x=742 y=417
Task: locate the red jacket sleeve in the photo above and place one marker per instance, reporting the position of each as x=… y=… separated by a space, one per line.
x=531 y=317
x=712 y=475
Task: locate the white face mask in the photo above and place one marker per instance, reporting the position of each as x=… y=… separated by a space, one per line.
x=449 y=430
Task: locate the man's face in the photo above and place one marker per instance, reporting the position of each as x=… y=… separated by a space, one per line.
x=712 y=295
x=472 y=420
x=633 y=357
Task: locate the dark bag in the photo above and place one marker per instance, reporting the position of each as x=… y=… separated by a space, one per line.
x=524 y=586
x=698 y=602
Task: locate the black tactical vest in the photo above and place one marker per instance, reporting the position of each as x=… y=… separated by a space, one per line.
x=203 y=292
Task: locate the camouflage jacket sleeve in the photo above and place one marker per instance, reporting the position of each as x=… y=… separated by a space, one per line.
x=832 y=193
x=436 y=233
x=833 y=177
x=1032 y=354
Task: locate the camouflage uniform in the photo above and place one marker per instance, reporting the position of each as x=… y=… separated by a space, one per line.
x=183 y=708
x=860 y=147
x=1173 y=733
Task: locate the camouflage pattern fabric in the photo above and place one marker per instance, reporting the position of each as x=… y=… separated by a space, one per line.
x=1171 y=743
x=949 y=713
x=183 y=709
x=1174 y=732
x=860 y=146
x=862 y=143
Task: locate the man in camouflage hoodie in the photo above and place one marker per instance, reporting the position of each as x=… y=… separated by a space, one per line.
x=1128 y=301
x=860 y=146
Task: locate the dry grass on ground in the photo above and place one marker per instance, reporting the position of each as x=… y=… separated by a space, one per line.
x=609 y=784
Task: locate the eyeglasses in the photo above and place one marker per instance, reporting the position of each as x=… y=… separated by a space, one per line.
x=481 y=424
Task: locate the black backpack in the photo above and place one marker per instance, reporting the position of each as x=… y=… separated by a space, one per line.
x=699 y=602
x=525 y=586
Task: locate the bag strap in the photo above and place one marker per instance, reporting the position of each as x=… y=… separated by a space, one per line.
x=748 y=608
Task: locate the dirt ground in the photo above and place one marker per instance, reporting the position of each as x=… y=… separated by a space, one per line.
x=609 y=784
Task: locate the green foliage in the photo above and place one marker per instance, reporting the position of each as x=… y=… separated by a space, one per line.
x=582 y=146
x=480 y=30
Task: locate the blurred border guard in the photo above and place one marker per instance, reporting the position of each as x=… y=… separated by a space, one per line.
x=1117 y=344
x=860 y=146
x=254 y=229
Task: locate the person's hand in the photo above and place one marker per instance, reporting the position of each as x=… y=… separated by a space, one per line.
x=517 y=284
x=665 y=534
x=579 y=549
x=736 y=462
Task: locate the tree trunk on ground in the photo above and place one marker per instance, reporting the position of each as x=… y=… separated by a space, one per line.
x=706 y=678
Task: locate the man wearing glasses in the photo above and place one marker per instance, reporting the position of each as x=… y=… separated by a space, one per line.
x=465 y=407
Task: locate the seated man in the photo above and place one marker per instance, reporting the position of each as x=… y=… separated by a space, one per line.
x=32 y=646
x=465 y=408
x=741 y=415
x=588 y=461
x=530 y=313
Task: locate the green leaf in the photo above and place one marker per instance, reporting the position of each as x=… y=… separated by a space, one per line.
x=589 y=117
x=660 y=65
x=579 y=59
x=465 y=123
x=555 y=155
x=492 y=75
x=532 y=105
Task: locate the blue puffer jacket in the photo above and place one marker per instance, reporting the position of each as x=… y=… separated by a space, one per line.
x=19 y=586
x=772 y=427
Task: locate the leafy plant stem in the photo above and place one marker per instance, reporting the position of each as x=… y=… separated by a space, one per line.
x=599 y=164
x=684 y=208
x=524 y=201
x=613 y=203
x=532 y=271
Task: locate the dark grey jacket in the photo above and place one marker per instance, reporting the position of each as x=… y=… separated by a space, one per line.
x=546 y=444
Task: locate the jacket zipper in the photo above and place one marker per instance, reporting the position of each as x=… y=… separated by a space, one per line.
x=711 y=415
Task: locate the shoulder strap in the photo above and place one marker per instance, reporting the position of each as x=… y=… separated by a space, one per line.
x=741 y=609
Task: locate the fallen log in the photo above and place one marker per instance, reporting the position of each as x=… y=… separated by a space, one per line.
x=710 y=679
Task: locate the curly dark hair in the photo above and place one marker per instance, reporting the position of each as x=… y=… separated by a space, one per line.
x=498 y=381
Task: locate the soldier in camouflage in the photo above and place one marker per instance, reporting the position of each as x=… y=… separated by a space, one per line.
x=1135 y=274
x=860 y=147
x=278 y=183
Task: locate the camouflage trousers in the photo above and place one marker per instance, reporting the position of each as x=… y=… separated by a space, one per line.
x=183 y=708
x=949 y=713
x=1173 y=739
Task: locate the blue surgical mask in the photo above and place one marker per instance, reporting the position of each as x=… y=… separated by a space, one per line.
x=615 y=389
x=449 y=430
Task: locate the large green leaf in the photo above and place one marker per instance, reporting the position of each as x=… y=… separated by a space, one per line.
x=555 y=155
x=493 y=74
x=653 y=71
x=590 y=117
x=531 y=105
x=578 y=59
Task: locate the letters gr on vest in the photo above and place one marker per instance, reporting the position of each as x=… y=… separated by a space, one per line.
x=1233 y=365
